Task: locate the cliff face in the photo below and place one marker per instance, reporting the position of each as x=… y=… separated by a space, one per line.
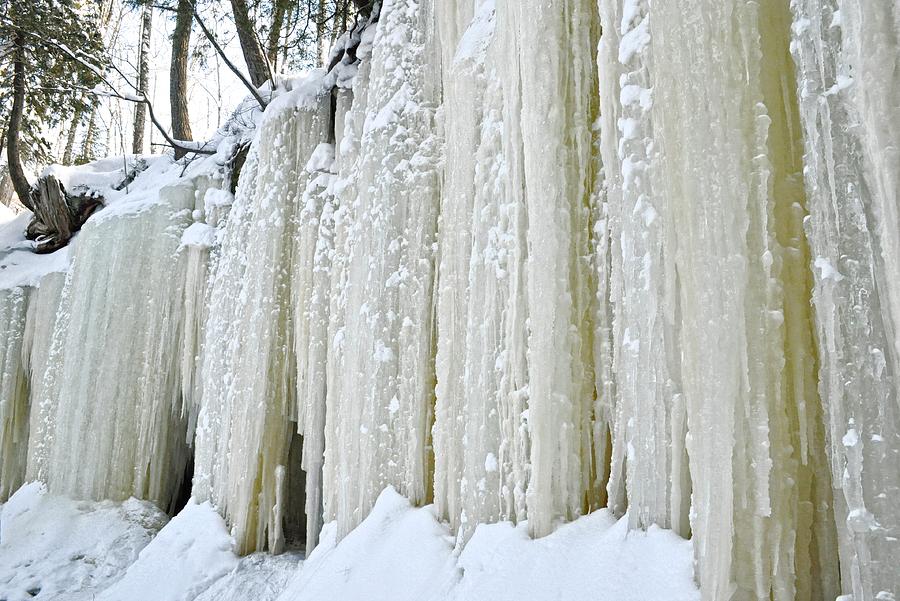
x=522 y=270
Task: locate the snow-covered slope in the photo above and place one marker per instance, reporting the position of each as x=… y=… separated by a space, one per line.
x=54 y=548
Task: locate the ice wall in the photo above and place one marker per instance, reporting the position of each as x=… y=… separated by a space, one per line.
x=635 y=330
x=523 y=270
x=27 y=317
x=247 y=374
x=13 y=391
x=108 y=421
x=849 y=87
x=380 y=369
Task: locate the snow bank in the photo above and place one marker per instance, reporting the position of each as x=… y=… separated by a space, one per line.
x=54 y=548
x=189 y=554
x=19 y=266
x=404 y=553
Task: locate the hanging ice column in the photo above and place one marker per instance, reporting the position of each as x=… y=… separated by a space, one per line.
x=648 y=412
x=108 y=421
x=13 y=391
x=380 y=367
x=513 y=431
x=848 y=56
x=708 y=271
x=27 y=317
x=248 y=414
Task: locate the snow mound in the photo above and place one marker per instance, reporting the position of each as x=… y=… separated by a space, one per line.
x=594 y=557
x=398 y=553
x=19 y=266
x=54 y=548
x=257 y=577
x=186 y=558
x=402 y=553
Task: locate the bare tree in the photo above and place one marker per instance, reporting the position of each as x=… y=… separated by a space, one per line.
x=250 y=46
x=279 y=11
x=140 y=110
x=181 y=39
x=69 y=153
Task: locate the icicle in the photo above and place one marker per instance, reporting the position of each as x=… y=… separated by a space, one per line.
x=515 y=295
x=313 y=250
x=649 y=423
x=553 y=48
x=246 y=421
x=13 y=391
x=849 y=89
x=27 y=317
x=196 y=242
x=473 y=150
x=110 y=399
x=380 y=392
x=706 y=263
x=39 y=335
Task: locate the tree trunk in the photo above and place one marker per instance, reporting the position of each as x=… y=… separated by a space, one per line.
x=253 y=54
x=320 y=33
x=278 y=14
x=16 y=172
x=363 y=7
x=140 y=109
x=181 y=39
x=69 y=153
x=90 y=137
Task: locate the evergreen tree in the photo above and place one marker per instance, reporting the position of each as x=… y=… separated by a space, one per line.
x=51 y=57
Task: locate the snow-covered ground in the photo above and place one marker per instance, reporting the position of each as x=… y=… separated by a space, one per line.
x=53 y=548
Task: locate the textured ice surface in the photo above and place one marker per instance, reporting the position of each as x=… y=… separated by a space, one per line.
x=521 y=270
x=849 y=90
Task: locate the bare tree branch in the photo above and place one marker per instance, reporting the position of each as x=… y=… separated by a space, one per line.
x=116 y=94
x=212 y=40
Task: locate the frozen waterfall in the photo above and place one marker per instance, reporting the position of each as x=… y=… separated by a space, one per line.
x=522 y=259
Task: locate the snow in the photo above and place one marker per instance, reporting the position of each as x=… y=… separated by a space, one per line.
x=19 y=266
x=189 y=554
x=54 y=548
x=112 y=552
x=58 y=548
x=402 y=553
x=199 y=235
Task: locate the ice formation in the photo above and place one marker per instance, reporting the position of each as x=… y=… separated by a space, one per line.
x=248 y=412
x=13 y=392
x=108 y=419
x=523 y=269
x=849 y=92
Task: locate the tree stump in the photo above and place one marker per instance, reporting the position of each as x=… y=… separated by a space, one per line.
x=57 y=214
